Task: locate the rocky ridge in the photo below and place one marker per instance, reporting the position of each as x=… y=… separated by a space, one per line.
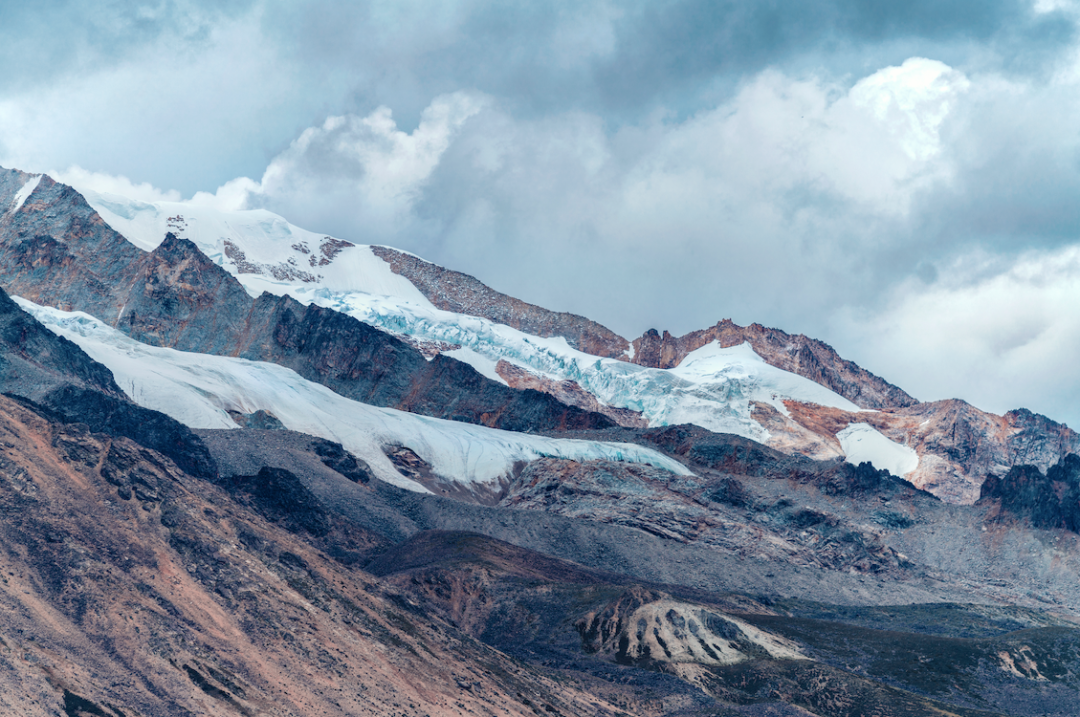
x=798 y=354
x=453 y=291
x=57 y=251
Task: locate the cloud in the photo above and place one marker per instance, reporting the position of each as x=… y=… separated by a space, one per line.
x=818 y=167
x=84 y=180
x=1000 y=334
x=361 y=173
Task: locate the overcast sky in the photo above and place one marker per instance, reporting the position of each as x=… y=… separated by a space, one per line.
x=900 y=180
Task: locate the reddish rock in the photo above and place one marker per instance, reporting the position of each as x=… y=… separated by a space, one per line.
x=798 y=354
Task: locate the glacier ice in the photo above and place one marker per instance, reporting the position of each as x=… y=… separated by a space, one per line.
x=199 y=390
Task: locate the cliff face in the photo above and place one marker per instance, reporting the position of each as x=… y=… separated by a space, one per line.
x=1046 y=499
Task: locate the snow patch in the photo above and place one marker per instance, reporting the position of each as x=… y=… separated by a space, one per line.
x=769 y=384
x=24 y=193
x=198 y=390
x=483 y=365
x=862 y=442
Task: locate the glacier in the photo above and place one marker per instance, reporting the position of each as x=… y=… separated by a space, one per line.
x=713 y=387
x=199 y=390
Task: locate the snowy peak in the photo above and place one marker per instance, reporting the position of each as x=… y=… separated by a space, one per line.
x=798 y=354
x=332 y=309
x=260 y=248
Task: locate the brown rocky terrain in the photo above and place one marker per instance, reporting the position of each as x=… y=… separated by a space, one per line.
x=129 y=587
x=958 y=445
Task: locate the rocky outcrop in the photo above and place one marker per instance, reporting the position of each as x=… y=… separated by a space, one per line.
x=453 y=291
x=1048 y=500
x=798 y=354
x=958 y=445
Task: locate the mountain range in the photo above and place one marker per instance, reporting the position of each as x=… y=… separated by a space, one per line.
x=250 y=469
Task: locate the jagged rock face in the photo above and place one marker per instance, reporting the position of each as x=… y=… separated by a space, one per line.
x=958 y=445
x=131 y=588
x=462 y=294
x=1046 y=500
x=798 y=354
x=57 y=251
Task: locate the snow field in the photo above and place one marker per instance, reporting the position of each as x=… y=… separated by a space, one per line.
x=198 y=390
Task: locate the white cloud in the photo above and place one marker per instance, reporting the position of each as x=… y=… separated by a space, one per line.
x=85 y=180
x=912 y=101
x=1002 y=335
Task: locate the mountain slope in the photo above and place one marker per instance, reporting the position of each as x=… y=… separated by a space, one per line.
x=132 y=588
x=58 y=251
x=243 y=593
x=206 y=391
x=790 y=392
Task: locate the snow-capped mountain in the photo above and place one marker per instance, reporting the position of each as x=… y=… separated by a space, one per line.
x=202 y=391
x=788 y=392
x=172 y=548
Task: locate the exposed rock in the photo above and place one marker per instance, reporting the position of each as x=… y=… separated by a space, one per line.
x=1046 y=500
x=258 y=419
x=462 y=294
x=958 y=445
x=568 y=392
x=798 y=354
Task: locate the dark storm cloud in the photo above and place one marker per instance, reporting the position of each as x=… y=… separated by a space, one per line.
x=671 y=49
x=625 y=59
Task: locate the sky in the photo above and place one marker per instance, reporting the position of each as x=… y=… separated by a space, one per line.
x=899 y=180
